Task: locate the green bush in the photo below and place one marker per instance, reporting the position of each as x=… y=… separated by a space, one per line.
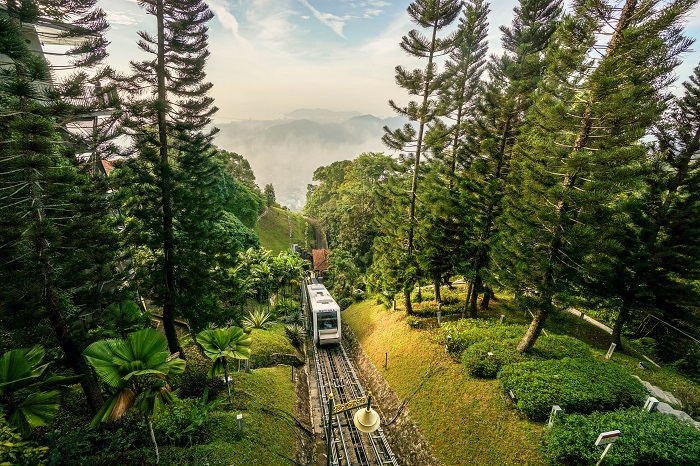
x=576 y=385
x=296 y=334
x=122 y=441
x=646 y=439
x=560 y=347
x=15 y=451
x=266 y=343
x=478 y=363
x=195 y=379
x=689 y=365
x=466 y=332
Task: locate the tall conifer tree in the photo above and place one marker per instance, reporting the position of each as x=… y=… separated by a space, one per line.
x=55 y=232
x=168 y=119
x=432 y=15
x=580 y=141
x=514 y=76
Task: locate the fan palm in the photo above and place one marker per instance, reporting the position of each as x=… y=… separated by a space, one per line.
x=221 y=343
x=20 y=397
x=136 y=371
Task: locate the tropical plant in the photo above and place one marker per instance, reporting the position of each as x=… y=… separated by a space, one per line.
x=136 y=372
x=221 y=343
x=20 y=396
x=296 y=334
x=257 y=319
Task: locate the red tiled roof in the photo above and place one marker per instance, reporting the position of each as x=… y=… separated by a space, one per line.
x=320 y=259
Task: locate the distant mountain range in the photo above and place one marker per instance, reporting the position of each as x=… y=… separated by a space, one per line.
x=287 y=152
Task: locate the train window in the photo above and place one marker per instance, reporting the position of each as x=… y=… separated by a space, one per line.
x=327 y=320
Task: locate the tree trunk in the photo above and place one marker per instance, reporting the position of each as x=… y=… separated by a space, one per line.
x=473 y=297
x=166 y=193
x=533 y=332
x=438 y=297
x=470 y=290
x=487 y=297
x=153 y=437
x=228 y=385
x=619 y=323
x=407 y=301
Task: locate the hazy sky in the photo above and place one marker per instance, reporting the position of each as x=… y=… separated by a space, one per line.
x=269 y=57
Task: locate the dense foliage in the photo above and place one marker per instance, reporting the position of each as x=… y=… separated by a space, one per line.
x=576 y=385
x=646 y=439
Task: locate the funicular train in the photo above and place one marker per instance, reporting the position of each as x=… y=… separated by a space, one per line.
x=323 y=312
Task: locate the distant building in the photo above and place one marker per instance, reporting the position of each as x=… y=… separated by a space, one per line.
x=320 y=260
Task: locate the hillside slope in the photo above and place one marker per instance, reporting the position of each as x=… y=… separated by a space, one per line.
x=273 y=228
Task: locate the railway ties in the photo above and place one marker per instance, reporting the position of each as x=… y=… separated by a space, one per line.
x=351 y=447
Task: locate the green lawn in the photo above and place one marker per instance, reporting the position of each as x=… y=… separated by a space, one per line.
x=466 y=421
x=469 y=421
x=273 y=230
x=265 y=397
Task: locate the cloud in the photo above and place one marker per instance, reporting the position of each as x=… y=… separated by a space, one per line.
x=118 y=17
x=336 y=23
x=224 y=16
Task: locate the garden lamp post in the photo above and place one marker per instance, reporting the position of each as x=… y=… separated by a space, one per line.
x=366 y=420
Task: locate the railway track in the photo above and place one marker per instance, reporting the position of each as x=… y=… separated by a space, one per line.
x=351 y=447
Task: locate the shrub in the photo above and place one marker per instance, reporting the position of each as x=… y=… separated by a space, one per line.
x=689 y=365
x=689 y=396
x=14 y=450
x=195 y=379
x=646 y=439
x=478 y=363
x=296 y=334
x=115 y=442
x=267 y=343
x=466 y=332
x=345 y=302
x=576 y=385
x=560 y=347
x=295 y=317
x=286 y=306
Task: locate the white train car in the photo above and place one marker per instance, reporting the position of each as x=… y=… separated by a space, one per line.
x=324 y=314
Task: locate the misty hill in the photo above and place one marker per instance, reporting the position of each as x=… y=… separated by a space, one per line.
x=287 y=152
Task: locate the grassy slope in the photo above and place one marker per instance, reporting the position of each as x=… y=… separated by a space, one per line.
x=467 y=421
x=273 y=230
x=268 y=438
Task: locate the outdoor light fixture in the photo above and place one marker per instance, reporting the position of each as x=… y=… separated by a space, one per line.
x=366 y=420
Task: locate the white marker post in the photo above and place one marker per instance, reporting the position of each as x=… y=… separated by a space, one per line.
x=607 y=439
x=610 y=351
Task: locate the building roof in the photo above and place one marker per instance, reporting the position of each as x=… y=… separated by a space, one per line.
x=320 y=257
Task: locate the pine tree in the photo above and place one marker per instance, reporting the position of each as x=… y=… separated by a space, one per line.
x=655 y=266
x=580 y=142
x=55 y=234
x=168 y=119
x=439 y=236
x=514 y=76
x=433 y=15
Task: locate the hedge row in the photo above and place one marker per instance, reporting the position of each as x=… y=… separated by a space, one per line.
x=479 y=363
x=576 y=385
x=646 y=439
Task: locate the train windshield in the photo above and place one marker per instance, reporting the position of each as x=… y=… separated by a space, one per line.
x=327 y=321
